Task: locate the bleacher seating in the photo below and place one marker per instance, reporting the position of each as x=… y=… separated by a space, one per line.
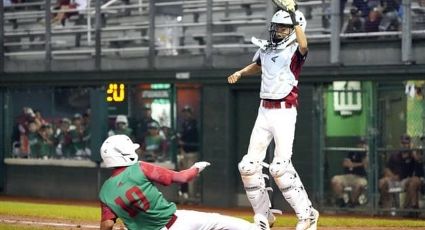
x=126 y=25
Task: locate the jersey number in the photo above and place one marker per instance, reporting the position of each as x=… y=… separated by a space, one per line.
x=137 y=201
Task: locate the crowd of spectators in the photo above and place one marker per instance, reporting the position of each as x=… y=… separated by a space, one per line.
x=405 y=170
x=402 y=173
x=35 y=137
x=373 y=16
x=69 y=138
x=364 y=15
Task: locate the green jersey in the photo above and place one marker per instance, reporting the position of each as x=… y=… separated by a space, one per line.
x=136 y=200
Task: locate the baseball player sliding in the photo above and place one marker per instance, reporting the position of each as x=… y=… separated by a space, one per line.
x=279 y=59
x=130 y=194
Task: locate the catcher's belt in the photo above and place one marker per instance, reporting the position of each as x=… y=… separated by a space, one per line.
x=277 y=103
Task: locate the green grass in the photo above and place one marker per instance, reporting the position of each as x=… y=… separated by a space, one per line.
x=20 y=227
x=79 y=213
x=53 y=211
x=337 y=221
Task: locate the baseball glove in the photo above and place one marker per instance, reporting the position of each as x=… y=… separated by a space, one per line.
x=287 y=5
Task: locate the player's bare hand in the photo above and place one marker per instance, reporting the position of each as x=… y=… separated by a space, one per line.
x=232 y=79
x=201 y=165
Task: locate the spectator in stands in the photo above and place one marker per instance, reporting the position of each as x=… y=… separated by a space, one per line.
x=355 y=22
x=46 y=142
x=86 y=118
x=189 y=150
x=374 y=4
x=373 y=20
x=29 y=113
x=390 y=19
x=404 y=169
x=63 y=139
x=142 y=124
x=189 y=139
x=39 y=118
x=65 y=8
x=355 y=165
x=34 y=140
x=362 y=6
x=121 y=127
x=154 y=144
x=20 y=133
x=80 y=138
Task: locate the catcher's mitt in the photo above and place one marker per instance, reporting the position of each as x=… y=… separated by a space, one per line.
x=287 y=5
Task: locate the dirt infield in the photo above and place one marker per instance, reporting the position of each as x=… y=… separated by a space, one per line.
x=40 y=222
x=63 y=224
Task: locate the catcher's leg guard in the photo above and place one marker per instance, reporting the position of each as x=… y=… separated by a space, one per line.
x=290 y=185
x=261 y=222
x=255 y=186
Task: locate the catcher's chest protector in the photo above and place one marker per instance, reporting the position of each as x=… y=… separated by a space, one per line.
x=277 y=77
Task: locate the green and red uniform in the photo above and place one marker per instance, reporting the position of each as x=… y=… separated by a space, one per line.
x=131 y=195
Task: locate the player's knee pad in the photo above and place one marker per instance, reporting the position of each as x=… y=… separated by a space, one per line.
x=254 y=184
x=284 y=174
x=279 y=166
x=249 y=166
x=290 y=185
x=251 y=173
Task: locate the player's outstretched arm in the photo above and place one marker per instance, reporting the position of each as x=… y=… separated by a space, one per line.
x=189 y=174
x=250 y=69
x=166 y=176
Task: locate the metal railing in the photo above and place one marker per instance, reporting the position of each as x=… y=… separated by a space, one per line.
x=211 y=12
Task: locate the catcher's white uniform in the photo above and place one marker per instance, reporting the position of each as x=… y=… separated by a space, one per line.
x=276 y=119
x=280 y=59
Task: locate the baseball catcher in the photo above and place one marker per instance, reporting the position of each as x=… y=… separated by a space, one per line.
x=279 y=59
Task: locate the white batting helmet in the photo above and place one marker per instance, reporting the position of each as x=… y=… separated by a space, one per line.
x=119 y=150
x=283 y=18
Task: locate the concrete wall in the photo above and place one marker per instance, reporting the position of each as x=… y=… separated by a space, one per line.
x=59 y=182
x=220 y=179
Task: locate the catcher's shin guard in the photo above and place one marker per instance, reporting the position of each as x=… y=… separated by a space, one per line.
x=261 y=222
x=290 y=185
x=254 y=184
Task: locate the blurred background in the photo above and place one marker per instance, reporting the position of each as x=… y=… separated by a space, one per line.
x=73 y=72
